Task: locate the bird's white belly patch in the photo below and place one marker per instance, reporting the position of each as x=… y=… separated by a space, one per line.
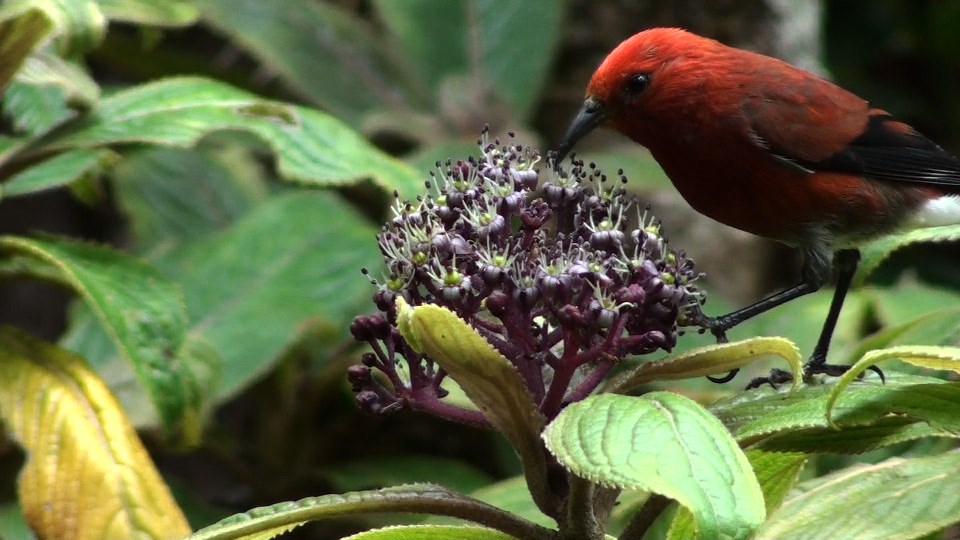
x=941 y=211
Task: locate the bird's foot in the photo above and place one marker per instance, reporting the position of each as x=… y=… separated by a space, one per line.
x=813 y=367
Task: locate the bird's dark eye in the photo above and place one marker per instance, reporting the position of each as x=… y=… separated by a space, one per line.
x=636 y=83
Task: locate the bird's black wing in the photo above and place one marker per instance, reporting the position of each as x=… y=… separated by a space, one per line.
x=892 y=151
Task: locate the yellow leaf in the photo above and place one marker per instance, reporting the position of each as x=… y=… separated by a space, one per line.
x=87 y=476
x=711 y=360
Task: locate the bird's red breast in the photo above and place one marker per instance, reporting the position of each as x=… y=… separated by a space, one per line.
x=766 y=147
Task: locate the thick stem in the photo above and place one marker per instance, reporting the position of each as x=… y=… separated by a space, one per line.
x=562 y=376
x=644 y=518
x=581 y=522
x=593 y=379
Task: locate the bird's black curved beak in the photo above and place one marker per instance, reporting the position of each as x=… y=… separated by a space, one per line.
x=591 y=115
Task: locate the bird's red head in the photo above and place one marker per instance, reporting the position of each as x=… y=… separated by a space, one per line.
x=653 y=78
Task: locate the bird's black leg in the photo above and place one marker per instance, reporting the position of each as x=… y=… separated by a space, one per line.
x=846 y=263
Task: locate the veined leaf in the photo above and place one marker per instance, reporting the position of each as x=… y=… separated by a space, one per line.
x=927 y=356
x=267 y=522
x=897 y=499
x=86 y=475
x=44 y=68
x=142 y=311
x=311 y=147
x=320 y=51
x=488 y=379
x=879 y=250
x=663 y=443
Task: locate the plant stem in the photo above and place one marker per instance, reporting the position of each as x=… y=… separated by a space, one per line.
x=644 y=518
x=433 y=406
x=581 y=522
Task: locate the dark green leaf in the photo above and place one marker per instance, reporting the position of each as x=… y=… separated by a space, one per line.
x=375 y=473
x=59 y=170
x=141 y=310
x=880 y=249
x=321 y=52
x=21 y=31
x=311 y=147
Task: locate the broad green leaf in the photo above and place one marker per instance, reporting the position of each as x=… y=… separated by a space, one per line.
x=941 y=327
x=897 y=499
x=762 y=416
x=431 y=532
x=373 y=473
x=78 y=25
x=504 y=48
x=907 y=300
x=20 y=33
x=311 y=147
x=13 y=526
x=927 y=356
x=151 y=12
x=87 y=474
x=711 y=360
x=290 y=266
x=877 y=251
x=663 y=443
x=171 y=194
x=488 y=379
x=857 y=439
x=59 y=170
x=141 y=310
x=322 y=52
x=269 y=521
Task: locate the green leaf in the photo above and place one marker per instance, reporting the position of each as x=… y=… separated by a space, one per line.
x=710 y=360
x=762 y=416
x=895 y=499
x=776 y=472
x=940 y=327
x=45 y=69
x=266 y=522
x=311 y=147
x=431 y=532
x=663 y=443
x=908 y=300
x=291 y=264
x=34 y=109
x=58 y=171
x=372 y=473
x=927 y=356
x=328 y=57
x=877 y=251
x=171 y=195
x=489 y=379
x=510 y=495
x=141 y=310
x=173 y=13
x=506 y=48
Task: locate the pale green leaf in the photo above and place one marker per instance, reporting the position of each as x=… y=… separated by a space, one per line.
x=311 y=147
x=488 y=379
x=46 y=69
x=58 y=171
x=663 y=443
x=267 y=522
x=711 y=360
x=927 y=356
x=141 y=310
x=898 y=499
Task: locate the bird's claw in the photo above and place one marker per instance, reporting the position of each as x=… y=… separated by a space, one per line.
x=780 y=376
x=717 y=326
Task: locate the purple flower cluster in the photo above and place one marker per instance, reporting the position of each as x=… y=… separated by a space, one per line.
x=563 y=282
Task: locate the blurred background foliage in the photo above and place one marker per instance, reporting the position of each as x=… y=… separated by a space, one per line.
x=270 y=268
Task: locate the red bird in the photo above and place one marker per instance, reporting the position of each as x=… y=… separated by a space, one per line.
x=774 y=150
